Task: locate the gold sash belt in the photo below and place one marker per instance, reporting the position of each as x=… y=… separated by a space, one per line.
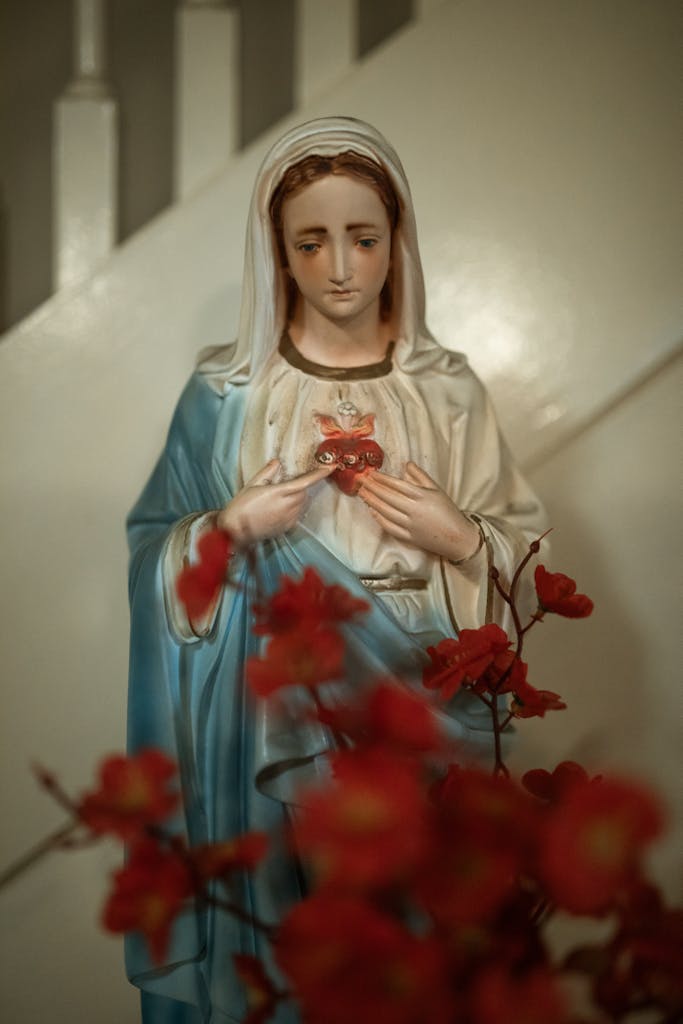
x=380 y=584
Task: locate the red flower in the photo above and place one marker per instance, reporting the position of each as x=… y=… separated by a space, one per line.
x=297 y=659
x=506 y=672
x=557 y=593
x=551 y=787
x=305 y=605
x=642 y=965
x=217 y=860
x=368 y=828
x=467 y=881
x=531 y=703
x=647 y=961
x=149 y=892
x=262 y=996
x=487 y=806
x=133 y=793
x=389 y=716
x=484 y=827
x=349 y=962
x=465 y=659
x=501 y=998
x=198 y=586
x=593 y=840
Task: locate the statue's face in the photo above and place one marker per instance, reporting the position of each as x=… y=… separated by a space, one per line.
x=338 y=243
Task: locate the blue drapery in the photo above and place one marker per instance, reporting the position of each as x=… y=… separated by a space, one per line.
x=190 y=700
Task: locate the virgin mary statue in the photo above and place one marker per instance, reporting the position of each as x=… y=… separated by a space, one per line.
x=410 y=495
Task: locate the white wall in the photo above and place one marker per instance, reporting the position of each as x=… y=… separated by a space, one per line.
x=539 y=138
x=614 y=493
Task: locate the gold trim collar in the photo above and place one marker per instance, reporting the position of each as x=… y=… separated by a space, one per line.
x=291 y=354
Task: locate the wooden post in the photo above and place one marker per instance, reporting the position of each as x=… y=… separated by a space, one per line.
x=85 y=156
x=207 y=92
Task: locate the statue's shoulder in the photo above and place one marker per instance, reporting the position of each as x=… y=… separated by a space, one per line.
x=197 y=412
x=452 y=376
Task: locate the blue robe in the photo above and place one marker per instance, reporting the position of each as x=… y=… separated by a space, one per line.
x=239 y=765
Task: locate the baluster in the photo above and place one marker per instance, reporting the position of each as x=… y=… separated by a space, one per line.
x=207 y=92
x=325 y=45
x=85 y=155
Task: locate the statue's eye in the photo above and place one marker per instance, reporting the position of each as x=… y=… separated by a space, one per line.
x=325 y=458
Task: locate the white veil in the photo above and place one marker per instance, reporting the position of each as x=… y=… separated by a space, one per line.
x=262 y=315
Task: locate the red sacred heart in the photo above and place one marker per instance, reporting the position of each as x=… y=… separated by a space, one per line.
x=354 y=457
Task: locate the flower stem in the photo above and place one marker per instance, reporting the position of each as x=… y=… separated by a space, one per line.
x=51 y=842
x=499 y=767
x=240 y=913
x=511 y=600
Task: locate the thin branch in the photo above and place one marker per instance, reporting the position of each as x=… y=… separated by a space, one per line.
x=499 y=767
x=534 y=548
x=495 y=576
x=507 y=721
x=269 y=930
x=46 y=845
x=49 y=782
x=511 y=600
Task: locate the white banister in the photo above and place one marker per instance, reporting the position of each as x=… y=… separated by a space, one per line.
x=325 y=45
x=85 y=155
x=89 y=40
x=207 y=92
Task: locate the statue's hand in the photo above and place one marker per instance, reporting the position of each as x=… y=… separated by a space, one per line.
x=266 y=508
x=416 y=510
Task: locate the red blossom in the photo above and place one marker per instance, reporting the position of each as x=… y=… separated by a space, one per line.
x=133 y=793
x=502 y=998
x=647 y=961
x=490 y=807
x=198 y=586
x=465 y=659
x=507 y=672
x=305 y=605
x=552 y=786
x=642 y=964
x=467 y=881
x=297 y=659
x=557 y=593
x=484 y=828
x=262 y=997
x=218 y=860
x=593 y=841
x=148 y=894
x=349 y=962
x=531 y=703
x=388 y=716
x=368 y=828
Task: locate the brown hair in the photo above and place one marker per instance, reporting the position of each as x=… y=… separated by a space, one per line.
x=312 y=168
